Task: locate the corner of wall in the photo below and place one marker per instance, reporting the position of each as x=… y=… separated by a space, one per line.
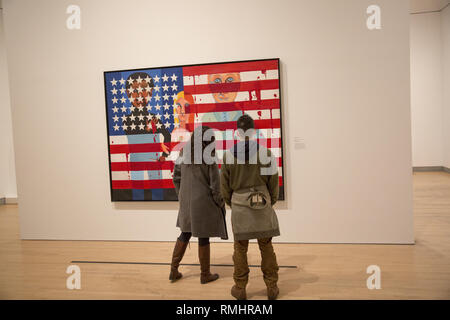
x=445 y=54
x=8 y=186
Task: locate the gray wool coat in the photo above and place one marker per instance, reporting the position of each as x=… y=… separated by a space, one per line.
x=202 y=208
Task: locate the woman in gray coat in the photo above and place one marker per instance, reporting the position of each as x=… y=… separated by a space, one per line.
x=202 y=208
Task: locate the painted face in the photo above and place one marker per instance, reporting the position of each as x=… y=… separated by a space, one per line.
x=182 y=105
x=184 y=110
x=139 y=93
x=229 y=82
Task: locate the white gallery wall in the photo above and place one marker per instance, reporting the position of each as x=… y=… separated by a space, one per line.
x=8 y=187
x=345 y=92
x=445 y=36
x=426 y=90
x=430 y=101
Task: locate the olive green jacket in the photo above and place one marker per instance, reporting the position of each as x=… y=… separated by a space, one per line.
x=236 y=176
x=258 y=168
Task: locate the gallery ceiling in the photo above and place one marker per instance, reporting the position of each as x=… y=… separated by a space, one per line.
x=427 y=5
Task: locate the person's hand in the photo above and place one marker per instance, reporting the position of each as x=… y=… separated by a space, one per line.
x=164 y=148
x=149 y=125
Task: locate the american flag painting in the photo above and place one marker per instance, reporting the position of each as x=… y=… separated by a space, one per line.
x=152 y=112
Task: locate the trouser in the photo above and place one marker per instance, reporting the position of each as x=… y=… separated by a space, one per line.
x=269 y=264
x=186 y=236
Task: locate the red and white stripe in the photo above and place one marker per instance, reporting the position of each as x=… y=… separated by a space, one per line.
x=257 y=95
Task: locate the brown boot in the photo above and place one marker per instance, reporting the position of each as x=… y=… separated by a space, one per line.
x=272 y=292
x=239 y=293
x=241 y=270
x=204 y=257
x=178 y=253
x=269 y=267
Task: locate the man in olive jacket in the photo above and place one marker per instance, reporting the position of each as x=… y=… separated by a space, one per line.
x=244 y=169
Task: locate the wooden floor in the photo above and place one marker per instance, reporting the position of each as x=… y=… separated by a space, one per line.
x=36 y=269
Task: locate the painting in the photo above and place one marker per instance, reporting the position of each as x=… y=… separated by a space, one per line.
x=151 y=113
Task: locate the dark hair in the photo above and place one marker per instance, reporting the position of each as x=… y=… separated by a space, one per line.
x=245 y=122
x=135 y=76
x=198 y=134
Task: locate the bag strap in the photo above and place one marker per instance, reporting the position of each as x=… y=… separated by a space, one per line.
x=251 y=189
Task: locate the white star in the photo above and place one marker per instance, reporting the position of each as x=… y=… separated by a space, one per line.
x=165 y=87
x=156 y=88
x=121 y=81
x=139 y=79
x=140 y=99
x=174 y=87
x=166 y=106
x=133 y=126
x=165 y=96
x=113 y=82
x=141 y=126
x=174 y=96
x=124 y=127
x=174 y=77
x=157 y=97
x=139 y=89
x=158 y=107
x=124 y=118
x=156 y=78
x=141 y=117
x=116 y=128
x=165 y=77
x=131 y=98
x=167 y=124
x=132 y=108
x=158 y=125
x=114 y=100
x=140 y=107
x=116 y=118
x=147 y=79
x=130 y=81
x=114 y=91
x=158 y=116
x=115 y=109
x=132 y=117
x=123 y=100
x=124 y=109
x=166 y=116
x=122 y=90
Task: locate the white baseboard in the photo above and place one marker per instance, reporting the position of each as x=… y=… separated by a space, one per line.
x=431 y=169
x=10 y=200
